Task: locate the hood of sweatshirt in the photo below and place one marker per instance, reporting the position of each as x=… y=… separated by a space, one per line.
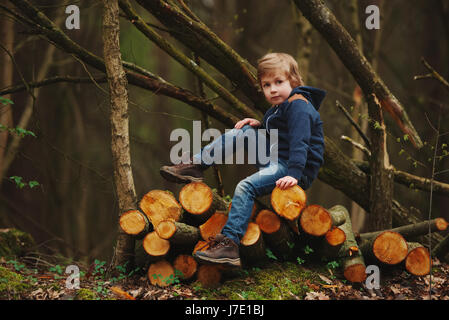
x=314 y=95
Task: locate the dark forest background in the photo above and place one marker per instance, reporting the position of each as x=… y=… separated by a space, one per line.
x=74 y=212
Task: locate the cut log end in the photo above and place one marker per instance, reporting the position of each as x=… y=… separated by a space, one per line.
x=213 y=225
x=166 y=229
x=390 y=247
x=335 y=237
x=133 y=222
x=418 y=262
x=159 y=273
x=160 y=205
x=155 y=245
x=196 y=197
x=315 y=220
x=209 y=275
x=355 y=273
x=288 y=203
x=441 y=224
x=186 y=265
x=268 y=221
x=252 y=234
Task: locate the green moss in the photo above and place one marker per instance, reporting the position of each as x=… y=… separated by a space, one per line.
x=277 y=282
x=86 y=294
x=12 y=285
x=14 y=243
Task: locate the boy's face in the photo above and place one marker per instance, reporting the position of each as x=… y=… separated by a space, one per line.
x=276 y=87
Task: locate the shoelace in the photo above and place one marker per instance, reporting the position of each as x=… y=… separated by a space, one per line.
x=213 y=243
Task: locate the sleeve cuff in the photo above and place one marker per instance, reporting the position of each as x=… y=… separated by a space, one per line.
x=295 y=173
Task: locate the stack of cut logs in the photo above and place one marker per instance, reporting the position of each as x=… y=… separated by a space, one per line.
x=172 y=231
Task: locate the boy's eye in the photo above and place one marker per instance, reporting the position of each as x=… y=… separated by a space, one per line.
x=278 y=81
x=266 y=85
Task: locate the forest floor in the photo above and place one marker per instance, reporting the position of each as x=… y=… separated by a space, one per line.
x=37 y=279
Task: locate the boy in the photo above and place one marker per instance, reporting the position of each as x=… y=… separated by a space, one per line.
x=294 y=113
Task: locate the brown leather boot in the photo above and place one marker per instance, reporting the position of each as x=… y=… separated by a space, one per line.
x=222 y=250
x=183 y=172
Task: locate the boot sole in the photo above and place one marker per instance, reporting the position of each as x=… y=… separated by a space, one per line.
x=222 y=261
x=173 y=177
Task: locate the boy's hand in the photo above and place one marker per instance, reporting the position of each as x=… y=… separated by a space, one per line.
x=286 y=182
x=252 y=122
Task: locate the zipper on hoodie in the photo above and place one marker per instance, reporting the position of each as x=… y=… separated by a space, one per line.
x=266 y=122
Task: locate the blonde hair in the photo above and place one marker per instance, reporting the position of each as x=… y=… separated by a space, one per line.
x=279 y=62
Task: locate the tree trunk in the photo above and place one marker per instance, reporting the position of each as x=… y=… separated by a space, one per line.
x=121 y=159
x=382 y=182
x=6 y=79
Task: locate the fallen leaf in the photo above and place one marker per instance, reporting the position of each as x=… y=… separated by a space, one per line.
x=325 y=279
x=122 y=293
x=312 y=295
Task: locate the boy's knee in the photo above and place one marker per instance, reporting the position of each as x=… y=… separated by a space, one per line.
x=243 y=186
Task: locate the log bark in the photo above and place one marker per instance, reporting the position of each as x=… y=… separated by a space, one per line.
x=160 y=205
x=186 y=265
x=135 y=223
x=388 y=248
x=332 y=242
x=442 y=248
x=178 y=233
x=160 y=273
x=418 y=260
x=352 y=260
x=252 y=247
x=198 y=199
x=288 y=203
x=412 y=230
x=277 y=234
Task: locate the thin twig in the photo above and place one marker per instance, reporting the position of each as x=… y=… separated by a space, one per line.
x=432 y=75
x=357 y=145
x=356 y=126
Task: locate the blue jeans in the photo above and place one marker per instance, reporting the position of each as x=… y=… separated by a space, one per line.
x=258 y=184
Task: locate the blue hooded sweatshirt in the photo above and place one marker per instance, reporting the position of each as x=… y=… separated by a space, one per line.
x=300 y=132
